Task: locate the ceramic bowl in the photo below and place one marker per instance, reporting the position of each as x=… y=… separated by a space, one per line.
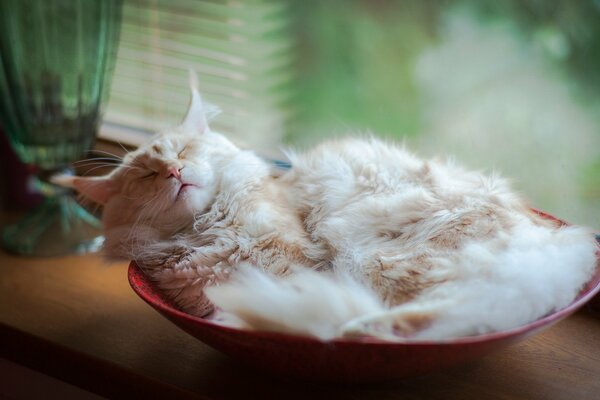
x=344 y=360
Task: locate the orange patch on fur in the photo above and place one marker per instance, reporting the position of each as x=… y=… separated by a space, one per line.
x=409 y=324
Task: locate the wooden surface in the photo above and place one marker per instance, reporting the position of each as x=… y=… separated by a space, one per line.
x=75 y=318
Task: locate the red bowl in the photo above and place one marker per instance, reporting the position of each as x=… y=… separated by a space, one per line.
x=344 y=360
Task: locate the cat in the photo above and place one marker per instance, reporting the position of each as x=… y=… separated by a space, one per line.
x=358 y=238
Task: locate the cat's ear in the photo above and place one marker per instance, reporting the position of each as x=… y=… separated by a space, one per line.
x=98 y=189
x=196 y=119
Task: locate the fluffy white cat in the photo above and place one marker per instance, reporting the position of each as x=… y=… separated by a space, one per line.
x=358 y=238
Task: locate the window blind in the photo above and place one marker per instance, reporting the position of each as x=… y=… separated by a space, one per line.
x=241 y=51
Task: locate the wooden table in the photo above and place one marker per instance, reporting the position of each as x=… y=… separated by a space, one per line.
x=75 y=318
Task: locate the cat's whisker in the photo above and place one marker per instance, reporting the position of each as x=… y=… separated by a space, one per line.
x=97 y=158
x=107 y=153
x=87 y=163
x=143 y=213
x=102 y=163
x=153 y=212
x=137 y=198
x=95 y=168
x=123 y=147
x=129 y=168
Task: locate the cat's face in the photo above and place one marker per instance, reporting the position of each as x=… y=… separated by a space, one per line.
x=166 y=181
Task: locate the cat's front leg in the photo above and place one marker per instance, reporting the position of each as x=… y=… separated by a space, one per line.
x=184 y=283
x=204 y=256
x=183 y=271
x=187 y=272
x=155 y=257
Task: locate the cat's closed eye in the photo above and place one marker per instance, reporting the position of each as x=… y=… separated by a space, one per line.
x=181 y=154
x=151 y=174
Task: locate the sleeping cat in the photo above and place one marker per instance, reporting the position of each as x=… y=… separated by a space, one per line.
x=358 y=238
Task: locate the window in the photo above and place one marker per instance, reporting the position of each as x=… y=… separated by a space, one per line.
x=511 y=86
x=240 y=50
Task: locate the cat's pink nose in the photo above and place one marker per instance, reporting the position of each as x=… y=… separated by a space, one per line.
x=174 y=171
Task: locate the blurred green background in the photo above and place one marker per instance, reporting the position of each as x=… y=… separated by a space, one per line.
x=509 y=86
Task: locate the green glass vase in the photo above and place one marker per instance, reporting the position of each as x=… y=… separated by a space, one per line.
x=56 y=63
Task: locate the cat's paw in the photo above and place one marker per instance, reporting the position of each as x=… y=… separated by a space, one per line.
x=390 y=325
x=179 y=257
x=192 y=259
x=164 y=259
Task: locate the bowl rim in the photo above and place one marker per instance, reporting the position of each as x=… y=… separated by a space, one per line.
x=135 y=273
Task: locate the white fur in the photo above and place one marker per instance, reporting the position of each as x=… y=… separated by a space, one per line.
x=408 y=248
x=541 y=271
x=353 y=189
x=305 y=302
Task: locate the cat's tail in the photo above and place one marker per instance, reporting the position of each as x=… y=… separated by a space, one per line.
x=305 y=302
x=539 y=270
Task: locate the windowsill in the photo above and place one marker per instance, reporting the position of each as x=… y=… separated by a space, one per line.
x=76 y=319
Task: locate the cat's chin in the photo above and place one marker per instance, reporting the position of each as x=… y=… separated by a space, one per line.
x=192 y=198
